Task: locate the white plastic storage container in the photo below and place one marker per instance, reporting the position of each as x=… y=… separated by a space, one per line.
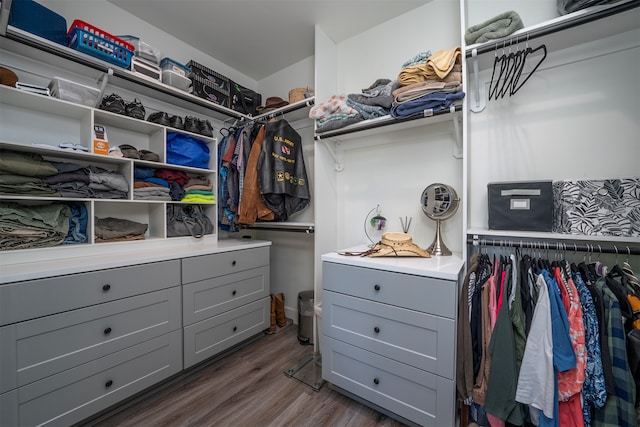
x=176 y=80
x=74 y=92
x=143 y=50
x=168 y=64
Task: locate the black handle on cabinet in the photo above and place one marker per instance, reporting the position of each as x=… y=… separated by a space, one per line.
x=235 y=328
x=108 y=384
x=107 y=331
x=233 y=262
x=233 y=293
x=106 y=287
x=376 y=381
x=376 y=330
x=376 y=287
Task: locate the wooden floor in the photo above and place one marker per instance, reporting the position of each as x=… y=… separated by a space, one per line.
x=248 y=388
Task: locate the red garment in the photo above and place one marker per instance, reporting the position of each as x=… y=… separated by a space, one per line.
x=172 y=175
x=570 y=412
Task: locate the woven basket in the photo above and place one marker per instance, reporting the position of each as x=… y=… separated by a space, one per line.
x=297 y=94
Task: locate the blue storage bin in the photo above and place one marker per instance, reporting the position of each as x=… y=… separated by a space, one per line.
x=99 y=47
x=39 y=20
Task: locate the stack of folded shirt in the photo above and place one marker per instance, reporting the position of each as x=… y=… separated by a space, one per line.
x=374 y=101
x=73 y=180
x=23 y=173
x=334 y=113
x=199 y=190
x=118 y=230
x=429 y=87
x=147 y=187
x=39 y=226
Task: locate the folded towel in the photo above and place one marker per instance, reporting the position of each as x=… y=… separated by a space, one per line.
x=495 y=28
x=438 y=66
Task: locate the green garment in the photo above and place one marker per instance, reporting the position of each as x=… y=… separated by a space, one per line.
x=28 y=164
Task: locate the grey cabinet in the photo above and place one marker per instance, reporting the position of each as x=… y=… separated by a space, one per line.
x=75 y=345
x=389 y=335
x=225 y=301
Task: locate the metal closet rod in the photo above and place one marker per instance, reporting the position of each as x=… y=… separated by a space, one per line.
x=622 y=249
x=563 y=25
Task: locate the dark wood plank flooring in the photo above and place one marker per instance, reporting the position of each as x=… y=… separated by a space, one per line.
x=244 y=389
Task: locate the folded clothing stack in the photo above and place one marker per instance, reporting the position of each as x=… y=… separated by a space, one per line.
x=495 y=28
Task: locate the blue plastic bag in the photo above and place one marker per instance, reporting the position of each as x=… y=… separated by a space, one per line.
x=185 y=150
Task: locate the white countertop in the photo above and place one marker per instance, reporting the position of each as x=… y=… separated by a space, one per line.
x=19 y=271
x=441 y=267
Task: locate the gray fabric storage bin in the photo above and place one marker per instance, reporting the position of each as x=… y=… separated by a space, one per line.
x=607 y=207
x=521 y=205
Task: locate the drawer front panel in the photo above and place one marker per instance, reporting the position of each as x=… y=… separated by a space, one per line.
x=209 y=337
x=73 y=395
x=426 y=294
x=416 y=395
x=219 y=264
x=52 y=344
x=36 y=298
x=211 y=297
x=412 y=337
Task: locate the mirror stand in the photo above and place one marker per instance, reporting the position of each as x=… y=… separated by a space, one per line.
x=438 y=248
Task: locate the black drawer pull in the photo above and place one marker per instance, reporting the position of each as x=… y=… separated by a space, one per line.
x=106 y=287
x=235 y=328
x=376 y=330
x=233 y=293
x=108 y=384
x=376 y=381
x=233 y=262
x=376 y=287
x=107 y=331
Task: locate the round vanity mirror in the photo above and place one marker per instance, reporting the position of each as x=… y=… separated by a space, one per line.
x=439 y=202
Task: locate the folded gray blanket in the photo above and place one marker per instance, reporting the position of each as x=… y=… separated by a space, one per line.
x=495 y=28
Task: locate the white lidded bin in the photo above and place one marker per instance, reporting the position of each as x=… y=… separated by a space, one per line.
x=176 y=80
x=77 y=93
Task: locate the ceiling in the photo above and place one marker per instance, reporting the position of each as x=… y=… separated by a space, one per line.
x=260 y=37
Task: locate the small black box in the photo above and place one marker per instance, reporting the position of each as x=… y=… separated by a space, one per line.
x=244 y=100
x=205 y=89
x=525 y=206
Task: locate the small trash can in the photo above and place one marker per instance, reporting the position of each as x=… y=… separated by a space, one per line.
x=305 y=317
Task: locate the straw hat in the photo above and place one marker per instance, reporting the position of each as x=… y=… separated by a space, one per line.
x=397 y=244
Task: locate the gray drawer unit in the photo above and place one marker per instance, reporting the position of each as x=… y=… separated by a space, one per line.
x=38 y=348
x=37 y=298
x=73 y=395
x=214 y=296
x=422 y=293
x=204 y=267
x=412 y=337
x=411 y=393
x=211 y=336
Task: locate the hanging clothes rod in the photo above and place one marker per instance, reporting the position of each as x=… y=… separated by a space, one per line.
x=622 y=249
x=308 y=229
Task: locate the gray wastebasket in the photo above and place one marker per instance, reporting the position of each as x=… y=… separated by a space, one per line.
x=305 y=317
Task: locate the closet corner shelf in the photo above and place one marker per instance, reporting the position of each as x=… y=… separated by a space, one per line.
x=32 y=46
x=298 y=107
x=388 y=123
x=526 y=235
x=623 y=16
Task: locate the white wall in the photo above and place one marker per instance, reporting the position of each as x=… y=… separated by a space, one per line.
x=297 y=75
x=391 y=169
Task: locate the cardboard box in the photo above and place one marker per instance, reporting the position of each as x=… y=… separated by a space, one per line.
x=100 y=141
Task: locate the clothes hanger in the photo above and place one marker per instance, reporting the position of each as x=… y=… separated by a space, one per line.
x=528 y=51
x=496 y=60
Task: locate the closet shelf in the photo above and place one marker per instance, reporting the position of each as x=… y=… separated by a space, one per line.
x=388 y=124
x=296 y=111
x=40 y=49
x=524 y=235
x=576 y=28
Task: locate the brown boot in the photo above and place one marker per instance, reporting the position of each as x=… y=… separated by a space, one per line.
x=281 y=320
x=272 y=328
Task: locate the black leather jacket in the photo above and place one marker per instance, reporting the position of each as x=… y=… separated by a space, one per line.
x=282 y=177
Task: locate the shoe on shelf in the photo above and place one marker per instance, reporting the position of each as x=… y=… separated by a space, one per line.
x=129 y=151
x=159 y=117
x=176 y=122
x=113 y=103
x=191 y=125
x=135 y=109
x=205 y=128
